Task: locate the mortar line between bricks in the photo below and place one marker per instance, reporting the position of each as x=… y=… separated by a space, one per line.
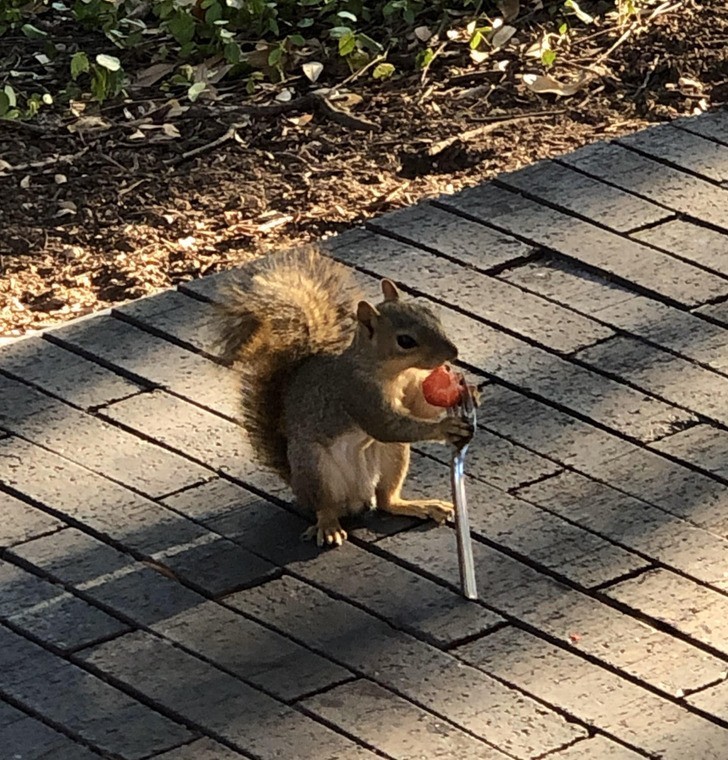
x=686 y=128
x=651 y=225
x=324 y=689
x=75 y=659
x=630 y=576
x=556 y=253
x=463 y=640
x=59 y=727
x=568 y=745
x=553 y=640
x=666 y=162
x=186 y=743
x=565 y=714
x=636 y=194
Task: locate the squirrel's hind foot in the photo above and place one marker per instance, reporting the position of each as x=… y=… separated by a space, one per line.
x=327 y=532
x=432 y=509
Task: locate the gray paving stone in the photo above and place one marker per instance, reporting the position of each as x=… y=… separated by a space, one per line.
x=109 y=577
x=177 y=317
x=64 y=374
x=47 y=612
x=481 y=295
x=252 y=652
x=703 y=445
x=713 y=125
x=713 y=700
x=701 y=245
x=412 y=669
x=155 y=360
x=569 y=285
x=585 y=196
x=87 y=706
x=202 y=749
x=579 y=621
x=696 y=611
x=674 y=329
x=685 y=150
x=362 y=708
x=544 y=538
x=607 y=251
x=633 y=523
x=219 y=703
x=27 y=738
x=467 y=242
x=104 y=448
x=216 y=442
x=22 y=521
x=19 y=401
x=596 y=748
x=597 y=696
x=651 y=180
x=662 y=374
x=716 y=311
x=404 y=599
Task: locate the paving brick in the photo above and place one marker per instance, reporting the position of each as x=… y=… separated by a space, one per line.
x=87 y=706
x=716 y=311
x=698 y=498
x=252 y=652
x=412 y=669
x=64 y=374
x=634 y=524
x=514 y=589
x=362 y=708
x=47 y=612
x=713 y=700
x=713 y=125
x=442 y=232
x=177 y=317
x=537 y=534
x=701 y=245
x=651 y=180
x=104 y=448
x=20 y=401
x=499 y=461
x=481 y=295
x=597 y=696
x=607 y=251
x=596 y=748
x=216 y=442
x=685 y=150
x=674 y=329
x=584 y=196
x=403 y=598
x=27 y=738
x=155 y=360
x=202 y=749
x=698 y=612
x=21 y=521
x=219 y=703
x=569 y=285
x=702 y=445
x=662 y=374
x=191 y=550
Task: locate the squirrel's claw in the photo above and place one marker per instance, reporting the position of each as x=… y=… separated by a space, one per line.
x=326 y=534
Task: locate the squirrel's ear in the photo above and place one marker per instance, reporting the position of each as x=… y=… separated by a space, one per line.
x=390 y=291
x=367 y=316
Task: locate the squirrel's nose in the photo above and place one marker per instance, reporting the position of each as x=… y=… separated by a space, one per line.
x=452 y=352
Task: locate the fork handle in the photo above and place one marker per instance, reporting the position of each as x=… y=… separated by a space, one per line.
x=462 y=526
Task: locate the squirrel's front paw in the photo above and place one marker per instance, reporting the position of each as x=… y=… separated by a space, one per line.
x=455 y=430
x=328 y=532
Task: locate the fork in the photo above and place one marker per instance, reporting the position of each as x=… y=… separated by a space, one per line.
x=467 y=411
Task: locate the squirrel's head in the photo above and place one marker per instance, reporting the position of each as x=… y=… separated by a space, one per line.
x=403 y=334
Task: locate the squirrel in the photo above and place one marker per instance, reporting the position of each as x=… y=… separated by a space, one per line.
x=331 y=394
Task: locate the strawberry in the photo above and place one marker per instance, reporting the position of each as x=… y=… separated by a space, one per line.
x=443 y=387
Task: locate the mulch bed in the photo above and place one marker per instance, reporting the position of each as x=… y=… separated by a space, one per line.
x=120 y=208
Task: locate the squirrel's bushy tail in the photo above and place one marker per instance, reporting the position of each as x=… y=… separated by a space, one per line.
x=282 y=310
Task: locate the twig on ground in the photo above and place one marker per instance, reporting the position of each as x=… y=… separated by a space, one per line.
x=230 y=134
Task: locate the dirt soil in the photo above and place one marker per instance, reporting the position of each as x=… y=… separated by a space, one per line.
x=113 y=205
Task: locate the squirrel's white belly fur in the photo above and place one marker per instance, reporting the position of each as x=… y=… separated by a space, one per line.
x=351 y=466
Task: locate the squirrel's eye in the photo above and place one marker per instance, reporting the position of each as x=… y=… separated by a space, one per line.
x=406 y=342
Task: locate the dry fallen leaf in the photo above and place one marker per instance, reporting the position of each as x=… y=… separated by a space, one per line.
x=312 y=70
x=285 y=95
x=510 y=9
x=25 y=182
x=540 y=83
x=89 y=123
x=60 y=179
x=423 y=33
x=502 y=35
x=153 y=74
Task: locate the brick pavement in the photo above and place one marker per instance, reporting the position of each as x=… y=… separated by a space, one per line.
x=155 y=598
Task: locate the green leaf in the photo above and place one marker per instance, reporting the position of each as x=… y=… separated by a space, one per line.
x=383 y=71
x=304 y=23
x=214 y=13
x=548 y=57
x=79 y=65
x=32 y=32
x=347 y=44
x=424 y=57
x=196 y=90
x=232 y=53
x=110 y=62
x=10 y=95
x=182 y=27
x=4 y=104
x=275 y=55
x=297 y=39
x=346 y=16
x=99 y=83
